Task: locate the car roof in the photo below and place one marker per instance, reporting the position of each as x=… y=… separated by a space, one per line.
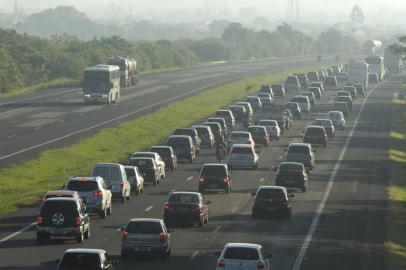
x=161 y=146
x=129 y=167
x=315 y=127
x=290 y=162
x=180 y=136
x=185 y=192
x=145 y=220
x=299 y=144
x=85 y=250
x=62 y=191
x=108 y=164
x=242 y=145
x=243 y=245
x=239 y=132
x=215 y=164
x=335 y=112
x=84 y=178
x=68 y=199
x=145 y=152
x=257 y=126
x=321 y=119
x=138 y=158
x=272 y=187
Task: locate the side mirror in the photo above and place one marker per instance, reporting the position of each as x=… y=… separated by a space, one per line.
x=291 y=195
x=274 y=168
x=253 y=193
x=58 y=260
x=170 y=229
x=269 y=256
x=109 y=186
x=217 y=253
x=208 y=202
x=122 y=227
x=286 y=150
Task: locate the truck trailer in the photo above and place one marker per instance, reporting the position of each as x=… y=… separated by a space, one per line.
x=393 y=62
x=128 y=70
x=358 y=73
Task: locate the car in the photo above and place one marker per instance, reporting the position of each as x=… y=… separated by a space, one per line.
x=242 y=256
x=315 y=135
x=310 y=95
x=59 y=193
x=294 y=108
x=146 y=236
x=223 y=124
x=266 y=88
x=352 y=90
x=94 y=193
x=206 y=136
x=321 y=74
x=272 y=200
x=343 y=93
x=346 y=99
x=272 y=127
x=330 y=71
x=316 y=92
x=216 y=129
x=279 y=90
x=336 y=69
x=189 y=132
x=341 y=106
x=330 y=83
x=243 y=156
x=63 y=217
x=302 y=153
x=292 y=84
x=228 y=117
x=247 y=107
x=303 y=80
x=313 y=76
x=183 y=206
x=238 y=137
x=215 y=176
x=255 y=102
x=85 y=258
x=327 y=124
x=337 y=118
x=167 y=155
x=259 y=134
x=360 y=89
x=115 y=176
x=267 y=101
x=135 y=178
x=183 y=146
x=303 y=102
x=342 y=76
x=292 y=175
x=319 y=85
x=157 y=158
x=239 y=112
x=148 y=169
x=373 y=78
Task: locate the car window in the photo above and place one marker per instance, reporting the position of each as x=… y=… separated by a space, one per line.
x=177 y=141
x=184 y=198
x=115 y=174
x=79 y=185
x=80 y=261
x=213 y=170
x=142 y=163
x=290 y=167
x=256 y=130
x=65 y=207
x=300 y=99
x=298 y=149
x=130 y=172
x=144 y=227
x=103 y=172
x=241 y=253
x=266 y=194
x=239 y=135
x=314 y=131
x=241 y=150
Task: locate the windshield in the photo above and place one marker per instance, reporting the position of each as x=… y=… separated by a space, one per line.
x=291 y=80
x=290 y=167
x=213 y=170
x=161 y=151
x=373 y=60
x=300 y=99
x=322 y=122
x=268 y=123
x=241 y=253
x=96 y=81
x=334 y=116
x=144 y=227
x=177 y=142
x=299 y=149
x=330 y=81
x=80 y=261
x=241 y=150
x=314 y=131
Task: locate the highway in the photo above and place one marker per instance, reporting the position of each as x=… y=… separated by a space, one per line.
x=49 y=118
x=337 y=224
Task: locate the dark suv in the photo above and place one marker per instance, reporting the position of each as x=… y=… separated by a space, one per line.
x=183 y=146
x=273 y=200
x=215 y=176
x=192 y=133
x=315 y=135
x=291 y=175
x=63 y=217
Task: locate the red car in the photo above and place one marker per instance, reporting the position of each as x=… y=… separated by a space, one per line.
x=278 y=90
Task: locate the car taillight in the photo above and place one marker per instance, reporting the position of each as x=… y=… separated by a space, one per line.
x=196 y=208
x=125 y=234
x=260 y=265
x=168 y=206
x=226 y=180
x=274 y=128
x=249 y=141
x=162 y=235
x=40 y=220
x=77 y=221
x=222 y=264
x=122 y=184
x=201 y=180
x=97 y=193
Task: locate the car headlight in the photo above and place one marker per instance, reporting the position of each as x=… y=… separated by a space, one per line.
x=88 y=96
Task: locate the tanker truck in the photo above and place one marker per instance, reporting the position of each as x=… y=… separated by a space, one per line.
x=128 y=70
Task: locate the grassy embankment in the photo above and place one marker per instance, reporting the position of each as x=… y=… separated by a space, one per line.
x=24 y=183
x=395 y=243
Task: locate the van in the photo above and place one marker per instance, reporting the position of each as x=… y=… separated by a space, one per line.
x=115 y=176
x=183 y=147
x=292 y=84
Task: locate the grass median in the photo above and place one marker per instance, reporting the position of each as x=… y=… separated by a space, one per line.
x=23 y=184
x=395 y=244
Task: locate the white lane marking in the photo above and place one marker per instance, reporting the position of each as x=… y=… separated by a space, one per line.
x=234 y=209
x=280 y=157
x=299 y=259
x=38 y=128
x=189 y=178
x=113 y=119
x=149 y=208
x=11 y=136
x=194 y=254
x=218 y=228
x=30 y=98
x=18 y=232
x=262 y=180
x=60 y=121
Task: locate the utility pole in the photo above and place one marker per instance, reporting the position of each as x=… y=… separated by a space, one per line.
x=293 y=11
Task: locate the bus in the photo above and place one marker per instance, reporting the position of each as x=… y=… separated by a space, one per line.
x=101 y=84
x=376 y=65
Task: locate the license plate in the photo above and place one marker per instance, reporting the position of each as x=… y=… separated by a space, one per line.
x=270 y=208
x=213 y=186
x=143 y=249
x=182 y=209
x=58 y=232
x=290 y=182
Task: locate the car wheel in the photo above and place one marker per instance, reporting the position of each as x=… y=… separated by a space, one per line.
x=256 y=166
x=87 y=234
x=304 y=189
x=110 y=210
x=154 y=183
x=206 y=220
x=228 y=189
x=254 y=214
x=122 y=198
x=103 y=213
x=164 y=256
x=138 y=191
x=80 y=238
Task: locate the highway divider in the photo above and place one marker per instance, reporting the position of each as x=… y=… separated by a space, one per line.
x=23 y=184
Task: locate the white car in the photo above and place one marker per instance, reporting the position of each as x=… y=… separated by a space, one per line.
x=240 y=137
x=135 y=178
x=337 y=118
x=158 y=160
x=242 y=256
x=272 y=127
x=243 y=156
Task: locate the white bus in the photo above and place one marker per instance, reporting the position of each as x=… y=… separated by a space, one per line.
x=358 y=73
x=376 y=65
x=101 y=84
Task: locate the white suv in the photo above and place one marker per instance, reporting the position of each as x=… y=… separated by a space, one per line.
x=242 y=256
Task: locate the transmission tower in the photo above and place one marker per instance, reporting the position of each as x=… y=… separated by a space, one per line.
x=293 y=11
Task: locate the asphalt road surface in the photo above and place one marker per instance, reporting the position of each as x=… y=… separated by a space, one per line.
x=49 y=118
x=337 y=224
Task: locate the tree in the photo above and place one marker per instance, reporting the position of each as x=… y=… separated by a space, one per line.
x=357 y=16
